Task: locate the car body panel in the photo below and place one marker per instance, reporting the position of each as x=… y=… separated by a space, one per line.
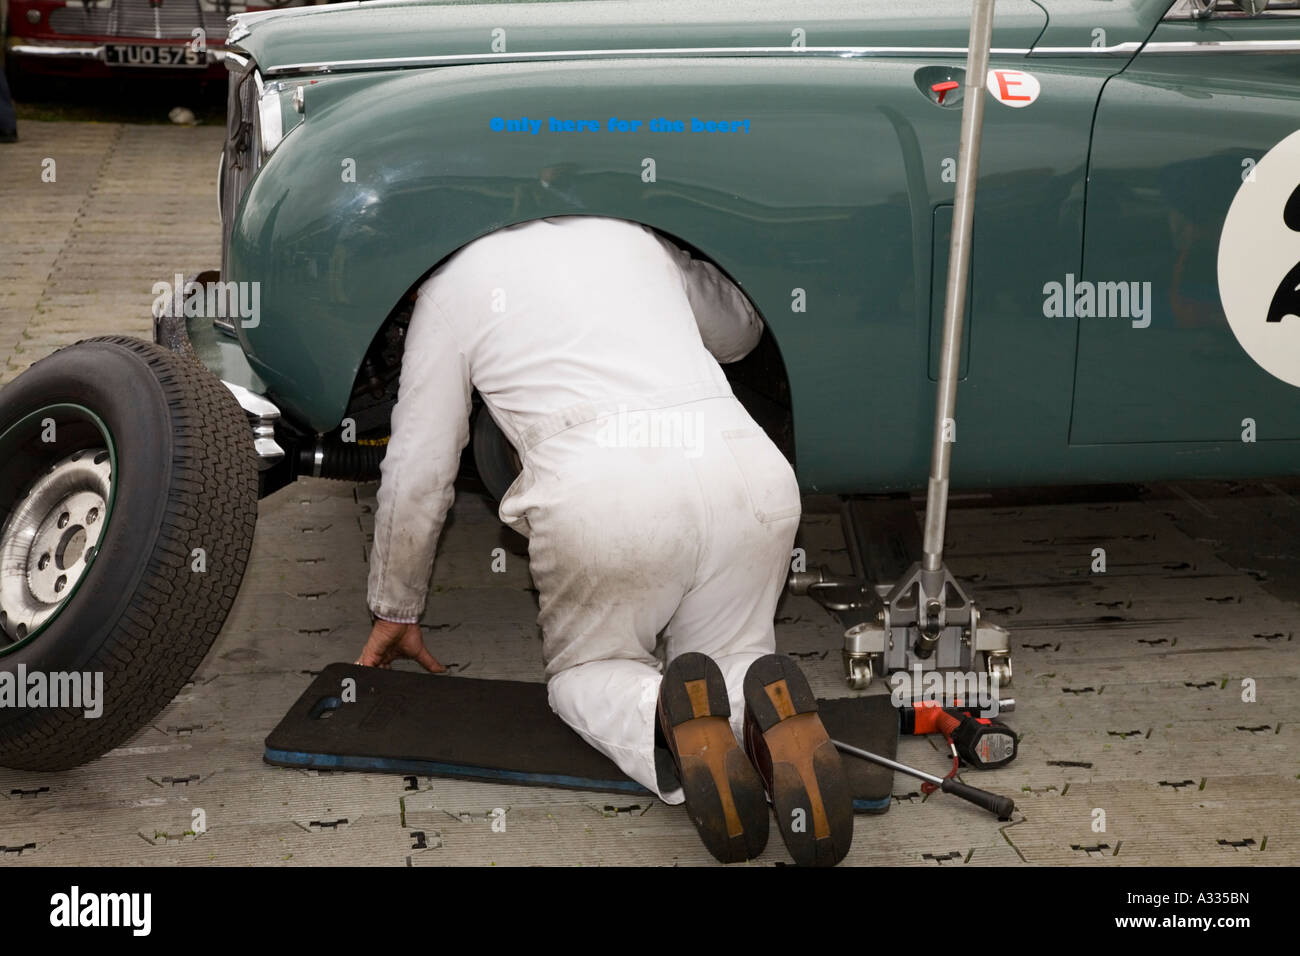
x=1098 y=27
x=1176 y=137
x=222 y=355
x=825 y=212
x=811 y=221
x=397 y=30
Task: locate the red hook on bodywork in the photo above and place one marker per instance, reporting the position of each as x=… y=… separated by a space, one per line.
x=942 y=89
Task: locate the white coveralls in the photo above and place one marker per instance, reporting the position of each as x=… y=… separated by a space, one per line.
x=650 y=498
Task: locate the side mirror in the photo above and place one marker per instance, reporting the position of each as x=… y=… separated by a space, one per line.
x=1252 y=8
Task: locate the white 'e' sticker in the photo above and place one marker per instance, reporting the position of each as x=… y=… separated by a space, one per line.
x=1014 y=88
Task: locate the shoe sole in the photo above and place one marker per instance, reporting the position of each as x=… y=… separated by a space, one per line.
x=724 y=794
x=811 y=798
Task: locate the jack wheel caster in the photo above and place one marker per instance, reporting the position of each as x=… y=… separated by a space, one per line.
x=860 y=673
x=999 y=668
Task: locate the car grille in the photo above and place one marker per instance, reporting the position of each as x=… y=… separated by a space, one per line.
x=241 y=154
x=140 y=18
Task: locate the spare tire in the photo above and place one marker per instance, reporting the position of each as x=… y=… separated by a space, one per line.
x=128 y=498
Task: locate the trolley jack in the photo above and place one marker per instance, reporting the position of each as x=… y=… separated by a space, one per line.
x=925 y=619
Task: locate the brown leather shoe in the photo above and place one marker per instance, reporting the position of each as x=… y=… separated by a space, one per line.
x=724 y=795
x=785 y=740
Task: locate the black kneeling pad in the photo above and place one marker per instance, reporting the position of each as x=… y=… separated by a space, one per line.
x=504 y=731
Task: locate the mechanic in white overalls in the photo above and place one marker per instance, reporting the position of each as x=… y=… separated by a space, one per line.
x=650 y=497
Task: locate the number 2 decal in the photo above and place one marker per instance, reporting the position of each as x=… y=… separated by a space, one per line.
x=1259 y=262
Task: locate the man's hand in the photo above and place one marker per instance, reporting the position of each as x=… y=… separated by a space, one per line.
x=390 y=640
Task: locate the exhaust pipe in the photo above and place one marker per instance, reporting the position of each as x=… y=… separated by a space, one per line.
x=341 y=461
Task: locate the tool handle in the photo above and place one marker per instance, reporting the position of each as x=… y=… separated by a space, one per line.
x=929 y=717
x=947 y=723
x=1001 y=806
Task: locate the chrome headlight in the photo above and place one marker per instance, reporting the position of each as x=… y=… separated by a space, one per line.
x=270 y=123
x=259 y=115
x=277 y=115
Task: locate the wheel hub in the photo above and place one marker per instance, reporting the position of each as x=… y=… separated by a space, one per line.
x=51 y=539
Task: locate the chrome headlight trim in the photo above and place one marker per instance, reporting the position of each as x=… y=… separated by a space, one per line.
x=276 y=119
x=270 y=121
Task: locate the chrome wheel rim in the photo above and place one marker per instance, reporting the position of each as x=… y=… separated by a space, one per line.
x=51 y=538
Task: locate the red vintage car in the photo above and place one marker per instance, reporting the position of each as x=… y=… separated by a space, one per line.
x=102 y=38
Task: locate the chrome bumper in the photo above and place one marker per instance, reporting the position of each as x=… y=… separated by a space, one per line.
x=62 y=50
x=80 y=49
x=262 y=415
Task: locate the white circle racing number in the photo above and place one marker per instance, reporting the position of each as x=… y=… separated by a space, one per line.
x=1259 y=262
x=1014 y=88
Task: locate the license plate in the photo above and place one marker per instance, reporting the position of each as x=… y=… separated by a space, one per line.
x=179 y=56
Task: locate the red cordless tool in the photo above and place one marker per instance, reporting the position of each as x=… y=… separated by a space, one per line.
x=979 y=742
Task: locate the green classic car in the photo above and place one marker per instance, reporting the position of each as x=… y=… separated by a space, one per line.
x=1133 y=309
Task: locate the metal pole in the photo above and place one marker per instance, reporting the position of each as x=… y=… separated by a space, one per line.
x=893 y=765
x=954 y=310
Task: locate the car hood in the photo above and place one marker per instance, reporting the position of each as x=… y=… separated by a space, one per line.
x=350 y=36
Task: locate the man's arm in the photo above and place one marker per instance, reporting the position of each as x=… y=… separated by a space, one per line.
x=430 y=428
x=729 y=326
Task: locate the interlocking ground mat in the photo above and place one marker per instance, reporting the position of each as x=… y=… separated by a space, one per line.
x=503 y=731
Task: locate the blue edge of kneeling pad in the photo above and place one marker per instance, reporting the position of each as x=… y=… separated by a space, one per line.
x=501 y=731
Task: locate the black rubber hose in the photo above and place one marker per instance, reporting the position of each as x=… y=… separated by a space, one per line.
x=341 y=461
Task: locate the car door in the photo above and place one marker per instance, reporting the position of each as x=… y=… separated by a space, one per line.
x=1195 y=154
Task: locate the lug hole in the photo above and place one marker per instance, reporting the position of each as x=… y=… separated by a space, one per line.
x=61 y=583
x=44 y=562
x=92 y=516
x=64 y=519
x=21 y=631
x=101 y=458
